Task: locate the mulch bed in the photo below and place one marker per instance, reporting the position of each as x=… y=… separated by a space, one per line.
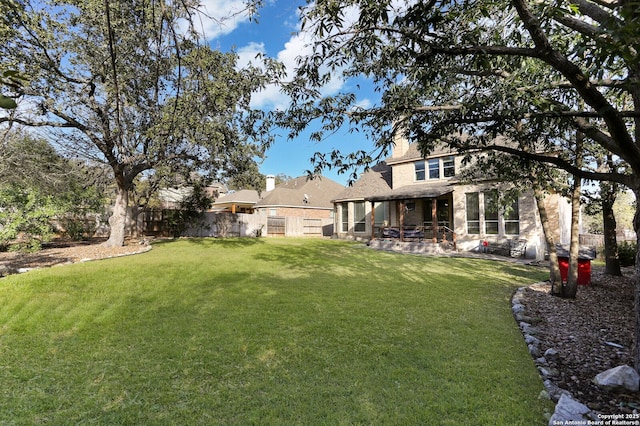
x=60 y=252
x=592 y=334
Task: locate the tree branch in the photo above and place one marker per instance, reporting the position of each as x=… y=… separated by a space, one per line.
x=594 y=12
x=627 y=180
x=625 y=146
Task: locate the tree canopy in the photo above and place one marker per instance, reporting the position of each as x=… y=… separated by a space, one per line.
x=534 y=73
x=516 y=76
x=131 y=85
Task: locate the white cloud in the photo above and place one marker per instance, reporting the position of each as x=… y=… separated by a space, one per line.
x=299 y=44
x=247 y=54
x=220 y=17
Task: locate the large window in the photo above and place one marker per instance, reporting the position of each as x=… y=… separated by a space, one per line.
x=345 y=217
x=473 y=213
x=381 y=213
x=491 y=215
x=419 y=165
x=434 y=168
x=512 y=219
x=359 y=217
x=448 y=166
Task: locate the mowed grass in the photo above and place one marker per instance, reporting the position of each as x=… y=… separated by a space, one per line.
x=267 y=331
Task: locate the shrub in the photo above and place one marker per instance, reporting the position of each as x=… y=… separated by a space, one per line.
x=25 y=216
x=627 y=253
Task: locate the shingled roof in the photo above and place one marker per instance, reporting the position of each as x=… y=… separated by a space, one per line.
x=374 y=181
x=244 y=197
x=302 y=192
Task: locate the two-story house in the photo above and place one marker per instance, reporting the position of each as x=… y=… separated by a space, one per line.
x=412 y=198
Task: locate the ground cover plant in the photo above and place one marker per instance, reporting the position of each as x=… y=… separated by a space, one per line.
x=267 y=331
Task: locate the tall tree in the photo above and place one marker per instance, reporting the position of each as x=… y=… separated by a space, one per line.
x=131 y=85
x=446 y=68
x=37 y=184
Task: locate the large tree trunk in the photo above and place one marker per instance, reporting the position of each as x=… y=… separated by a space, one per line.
x=636 y=282
x=554 y=268
x=118 y=219
x=571 y=289
x=608 y=194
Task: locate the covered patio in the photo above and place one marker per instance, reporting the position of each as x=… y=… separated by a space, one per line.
x=414 y=213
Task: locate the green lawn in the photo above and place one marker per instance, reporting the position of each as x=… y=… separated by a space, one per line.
x=267 y=331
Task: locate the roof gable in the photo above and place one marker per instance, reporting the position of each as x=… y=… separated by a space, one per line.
x=374 y=181
x=302 y=192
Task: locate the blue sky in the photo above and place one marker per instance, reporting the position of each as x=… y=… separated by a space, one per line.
x=277 y=35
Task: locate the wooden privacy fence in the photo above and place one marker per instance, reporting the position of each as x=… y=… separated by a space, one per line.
x=214 y=224
x=597 y=240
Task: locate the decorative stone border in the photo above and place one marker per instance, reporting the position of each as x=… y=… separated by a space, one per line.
x=568 y=410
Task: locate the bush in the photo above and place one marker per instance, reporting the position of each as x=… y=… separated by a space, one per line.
x=627 y=253
x=78 y=226
x=25 y=216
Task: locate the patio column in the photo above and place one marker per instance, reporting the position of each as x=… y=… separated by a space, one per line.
x=233 y=208
x=373 y=221
x=434 y=219
x=402 y=207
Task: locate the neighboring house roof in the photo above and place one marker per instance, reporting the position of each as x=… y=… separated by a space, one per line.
x=174 y=195
x=244 y=197
x=302 y=192
x=375 y=181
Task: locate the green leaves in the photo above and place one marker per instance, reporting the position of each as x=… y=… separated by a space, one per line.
x=7 y=103
x=12 y=79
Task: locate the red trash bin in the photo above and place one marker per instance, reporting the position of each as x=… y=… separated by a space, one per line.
x=584 y=270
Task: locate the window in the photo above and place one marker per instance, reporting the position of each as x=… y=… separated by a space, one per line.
x=359 y=217
x=345 y=217
x=512 y=219
x=491 y=213
x=419 y=166
x=273 y=212
x=381 y=213
x=473 y=213
x=434 y=168
x=448 y=166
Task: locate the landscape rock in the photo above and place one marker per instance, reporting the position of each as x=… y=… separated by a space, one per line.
x=518 y=308
x=570 y=411
x=531 y=340
x=534 y=351
x=551 y=354
x=7 y=270
x=619 y=378
x=548 y=372
x=528 y=328
x=542 y=361
x=555 y=392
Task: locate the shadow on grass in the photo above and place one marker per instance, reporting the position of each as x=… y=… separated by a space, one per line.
x=233 y=242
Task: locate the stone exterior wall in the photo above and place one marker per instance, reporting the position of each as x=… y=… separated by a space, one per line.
x=529 y=221
x=404 y=174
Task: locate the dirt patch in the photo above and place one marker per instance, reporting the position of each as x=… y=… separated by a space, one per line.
x=64 y=252
x=592 y=334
